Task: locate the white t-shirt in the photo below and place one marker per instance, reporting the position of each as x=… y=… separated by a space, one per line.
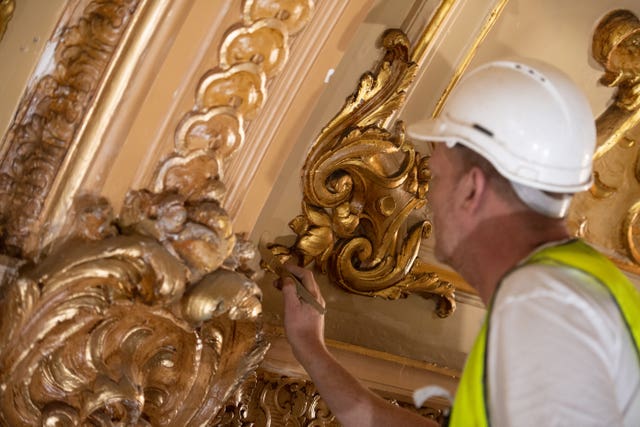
x=559 y=353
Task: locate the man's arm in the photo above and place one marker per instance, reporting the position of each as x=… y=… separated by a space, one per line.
x=351 y=402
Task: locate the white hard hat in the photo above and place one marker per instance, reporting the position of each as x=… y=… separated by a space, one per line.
x=527 y=118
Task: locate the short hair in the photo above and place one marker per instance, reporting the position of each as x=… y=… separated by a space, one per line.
x=472 y=159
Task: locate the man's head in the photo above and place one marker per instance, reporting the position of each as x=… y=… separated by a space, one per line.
x=529 y=120
x=526 y=132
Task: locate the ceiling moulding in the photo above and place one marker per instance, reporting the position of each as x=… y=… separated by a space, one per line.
x=125 y=318
x=287 y=89
x=43 y=139
x=269 y=400
x=6 y=13
x=608 y=215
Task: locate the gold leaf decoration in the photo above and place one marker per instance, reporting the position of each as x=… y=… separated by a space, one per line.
x=361 y=182
x=230 y=95
x=269 y=400
x=49 y=118
x=117 y=330
x=241 y=87
x=6 y=13
x=153 y=317
x=294 y=14
x=607 y=214
x=264 y=43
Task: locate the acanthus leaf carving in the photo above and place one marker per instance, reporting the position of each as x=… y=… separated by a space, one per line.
x=607 y=214
x=361 y=182
x=120 y=327
x=269 y=399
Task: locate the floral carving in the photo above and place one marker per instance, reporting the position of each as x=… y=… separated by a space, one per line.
x=361 y=182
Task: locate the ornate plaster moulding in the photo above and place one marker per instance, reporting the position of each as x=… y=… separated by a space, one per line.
x=608 y=215
x=268 y=399
x=128 y=318
x=360 y=184
x=231 y=94
x=52 y=114
x=123 y=325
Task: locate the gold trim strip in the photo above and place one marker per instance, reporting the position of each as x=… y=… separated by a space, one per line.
x=107 y=96
x=425 y=40
x=275 y=332
x=462 y=67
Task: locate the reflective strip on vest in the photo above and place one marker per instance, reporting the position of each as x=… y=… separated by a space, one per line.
x=470 y=407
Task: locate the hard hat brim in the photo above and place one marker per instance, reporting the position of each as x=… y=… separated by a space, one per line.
x=424 y=132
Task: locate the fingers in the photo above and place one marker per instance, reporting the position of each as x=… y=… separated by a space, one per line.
x=306 y=277
x=288 y=288
x=312 y=293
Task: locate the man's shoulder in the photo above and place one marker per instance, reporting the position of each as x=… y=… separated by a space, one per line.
x=558 y=283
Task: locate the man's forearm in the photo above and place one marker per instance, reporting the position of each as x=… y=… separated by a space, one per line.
x=351 y=402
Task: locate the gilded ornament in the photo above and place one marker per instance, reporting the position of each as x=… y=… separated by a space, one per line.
x=129 y=317
x=607 y=214
x=269 y=400
x=361 y=183
x=49 y=118
x=294 y=14
x=6 y=13
x=242 y=87
x=218 y=128
x=265 y=43
x=114 y=329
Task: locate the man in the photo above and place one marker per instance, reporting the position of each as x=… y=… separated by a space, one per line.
x=560 y=342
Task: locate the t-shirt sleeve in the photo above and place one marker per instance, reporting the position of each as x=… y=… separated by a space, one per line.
x=547 y=364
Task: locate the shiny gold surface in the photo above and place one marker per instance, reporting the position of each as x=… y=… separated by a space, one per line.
x=270 y=400
x=152 y=317
x=361 y=183
x=607 y=215
x=51 y=114
x=6 y=12
x=126 y=328
x=426 y=39
x=231 y=94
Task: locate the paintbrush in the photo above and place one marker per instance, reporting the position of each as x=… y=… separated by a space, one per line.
x=274 y=264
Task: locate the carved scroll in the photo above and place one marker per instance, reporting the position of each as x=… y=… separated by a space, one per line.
x=607 y=215
x=6 y=12
x=361 y=183
x=113 y=329
x=271 y=400
x=153 y=317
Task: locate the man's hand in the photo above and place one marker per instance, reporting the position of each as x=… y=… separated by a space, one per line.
x=303 y=324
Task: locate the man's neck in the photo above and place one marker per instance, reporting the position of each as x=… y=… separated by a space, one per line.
x=499 y=243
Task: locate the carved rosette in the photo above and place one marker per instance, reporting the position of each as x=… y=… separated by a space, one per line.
x=361 y=184
x=50 y=117
x=607 y=215
x=270 y=400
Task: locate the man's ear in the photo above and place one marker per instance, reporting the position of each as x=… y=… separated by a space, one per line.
x=472 y=188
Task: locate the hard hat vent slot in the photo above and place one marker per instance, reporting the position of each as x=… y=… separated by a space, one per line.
x=483 y=129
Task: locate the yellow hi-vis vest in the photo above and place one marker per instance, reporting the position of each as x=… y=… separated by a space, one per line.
x=470 y=406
